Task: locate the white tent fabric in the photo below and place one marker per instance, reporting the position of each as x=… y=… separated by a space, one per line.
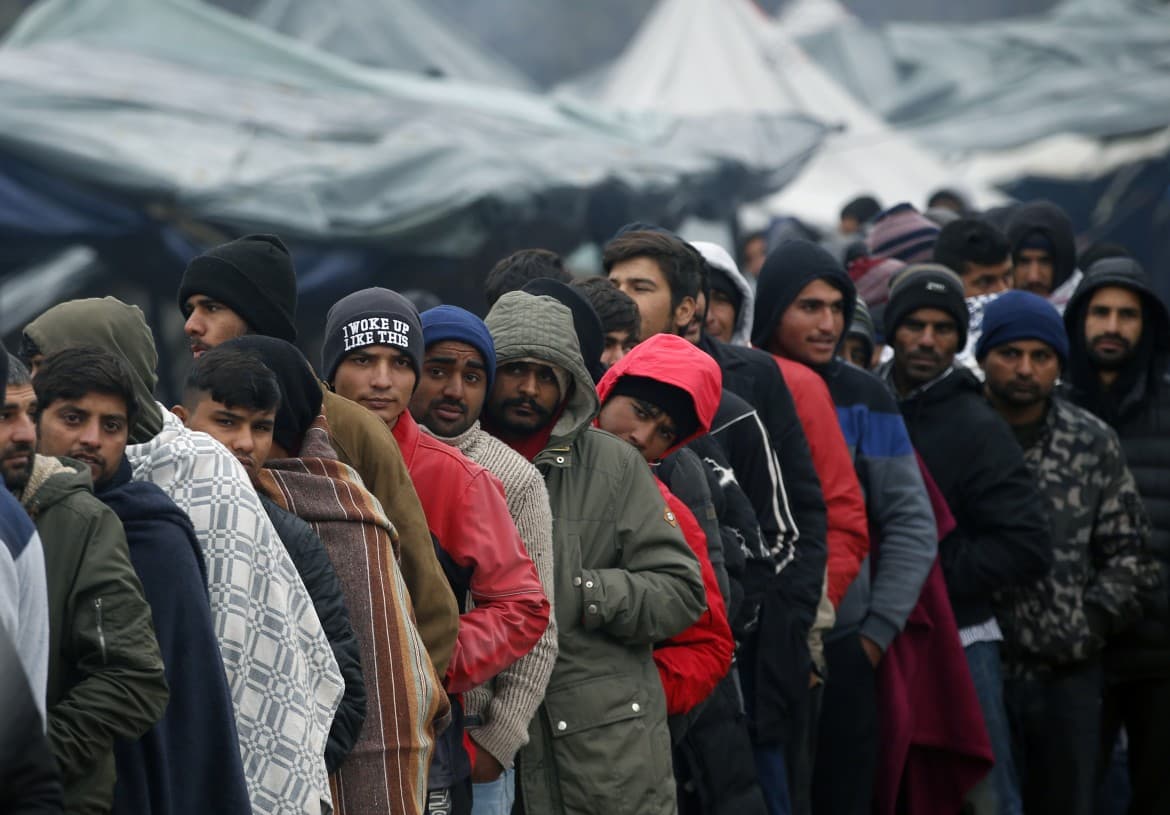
x=725 y=58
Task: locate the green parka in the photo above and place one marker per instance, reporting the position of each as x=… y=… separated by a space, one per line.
x=105 y=671
x=625 y=579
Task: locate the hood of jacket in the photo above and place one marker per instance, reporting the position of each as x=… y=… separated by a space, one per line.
x=1147 y=367
x=525 y=325
x=789 y=268
x=1050 y=221
x=718 y=257
x=673 y=361
x=108 y=323
x=51 y=481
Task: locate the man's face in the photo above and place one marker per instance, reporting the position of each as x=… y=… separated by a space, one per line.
x=849 y=225
x=643 y=281
x=92 y=429
x=811 y=326
x=720 y=316
x=987 y=279
x=524 y=397
x=617 y=345
x=855 y=350
x=1021 y=373
x=378 y=377
x=452 y=388
x=209 y=323
x=925 y=345
x=18 y=435
x=755 y=252
x=1113 y=326
x=694 y=329
x=640 y=423
x=247 y=434
x=1034 y=271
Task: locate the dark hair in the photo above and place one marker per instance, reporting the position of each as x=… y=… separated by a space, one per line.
x=680 y=263
x=232 y=377
x=72 y=373
x=617 y=310
x=970 y=240
x=18 y=375
x=1098 y=251
x=861 y=209
x=948 y=199
x=518 y=268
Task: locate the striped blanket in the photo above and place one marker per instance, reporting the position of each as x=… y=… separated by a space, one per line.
x=387 y=770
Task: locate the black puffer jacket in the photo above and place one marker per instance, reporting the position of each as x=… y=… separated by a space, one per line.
x=308 y=555
x=1138 y=408
x=1050 y=221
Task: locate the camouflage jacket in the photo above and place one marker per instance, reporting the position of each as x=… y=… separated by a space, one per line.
x=1099 y=534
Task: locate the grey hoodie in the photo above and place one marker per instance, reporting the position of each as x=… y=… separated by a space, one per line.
x=718 y=257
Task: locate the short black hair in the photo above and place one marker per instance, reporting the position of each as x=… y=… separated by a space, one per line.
x=18 y=375
x=617 y=310
x=517 y=269
x=680 y=263
x=970 y=240
x=948 y=199
x=1098 y=251
x=861 y=209
x=73 y=373
x=232 y=377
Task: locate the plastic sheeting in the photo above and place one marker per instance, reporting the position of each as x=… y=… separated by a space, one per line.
x=192 y=110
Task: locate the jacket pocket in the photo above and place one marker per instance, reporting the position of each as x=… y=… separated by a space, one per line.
x=612 y=751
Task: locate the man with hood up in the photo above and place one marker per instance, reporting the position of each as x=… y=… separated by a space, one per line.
x=1119 y=352
x=804 y=301
x=1044 y=251
x=249 y=286
x=731 y=301
x=284 y=679
x=625 y=577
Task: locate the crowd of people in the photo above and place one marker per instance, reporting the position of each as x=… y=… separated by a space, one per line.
x=875 y=522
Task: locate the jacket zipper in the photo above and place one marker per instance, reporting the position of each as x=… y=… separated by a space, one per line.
x=97 y=604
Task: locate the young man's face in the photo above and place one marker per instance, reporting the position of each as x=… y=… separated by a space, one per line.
x=1034 y=271
x=93 y=429
x=209 y=323
x=524 y=397
x=617 y=345
x=812 y=325
x=987 y=279
x=720 y=316
x=247 y=434
x=855 y=350
x=378 y=377
x=1021 y=373
x=694 y=329
x=452 y=388
x=640 y=423
x=1113 y=326
x=643 y=280
x=925 y=345
x=18 y=435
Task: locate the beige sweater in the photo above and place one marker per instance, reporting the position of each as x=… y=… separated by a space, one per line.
x=507 y=704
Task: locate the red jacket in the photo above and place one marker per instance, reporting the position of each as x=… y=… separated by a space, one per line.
x=848 y=535
x=469 y=520
x=691 y=663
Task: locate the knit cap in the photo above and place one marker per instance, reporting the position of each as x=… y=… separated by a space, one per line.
x=670 y=399
x=300 y=395
x=374 y=316
x=1020 y=315
x=927 y=285
x=904 y=233
x=872 y=276
x=444 y=323
x=254 y=277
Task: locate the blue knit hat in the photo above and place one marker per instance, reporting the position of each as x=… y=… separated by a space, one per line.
x=453 y=323
x=1020 y=315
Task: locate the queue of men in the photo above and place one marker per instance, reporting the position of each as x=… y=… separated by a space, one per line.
x=889 y=536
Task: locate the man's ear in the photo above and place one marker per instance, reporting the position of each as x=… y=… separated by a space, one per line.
x=181 y=412
x=684 y=312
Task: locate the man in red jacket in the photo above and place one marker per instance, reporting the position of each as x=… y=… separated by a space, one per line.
x=372 y=355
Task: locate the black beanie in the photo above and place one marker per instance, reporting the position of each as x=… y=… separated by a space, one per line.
x=368 y=317
x=670 y=399
x=927 y=285
x=789 y=268
x=586 y=323
x=300 y=393
x=254 y=277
